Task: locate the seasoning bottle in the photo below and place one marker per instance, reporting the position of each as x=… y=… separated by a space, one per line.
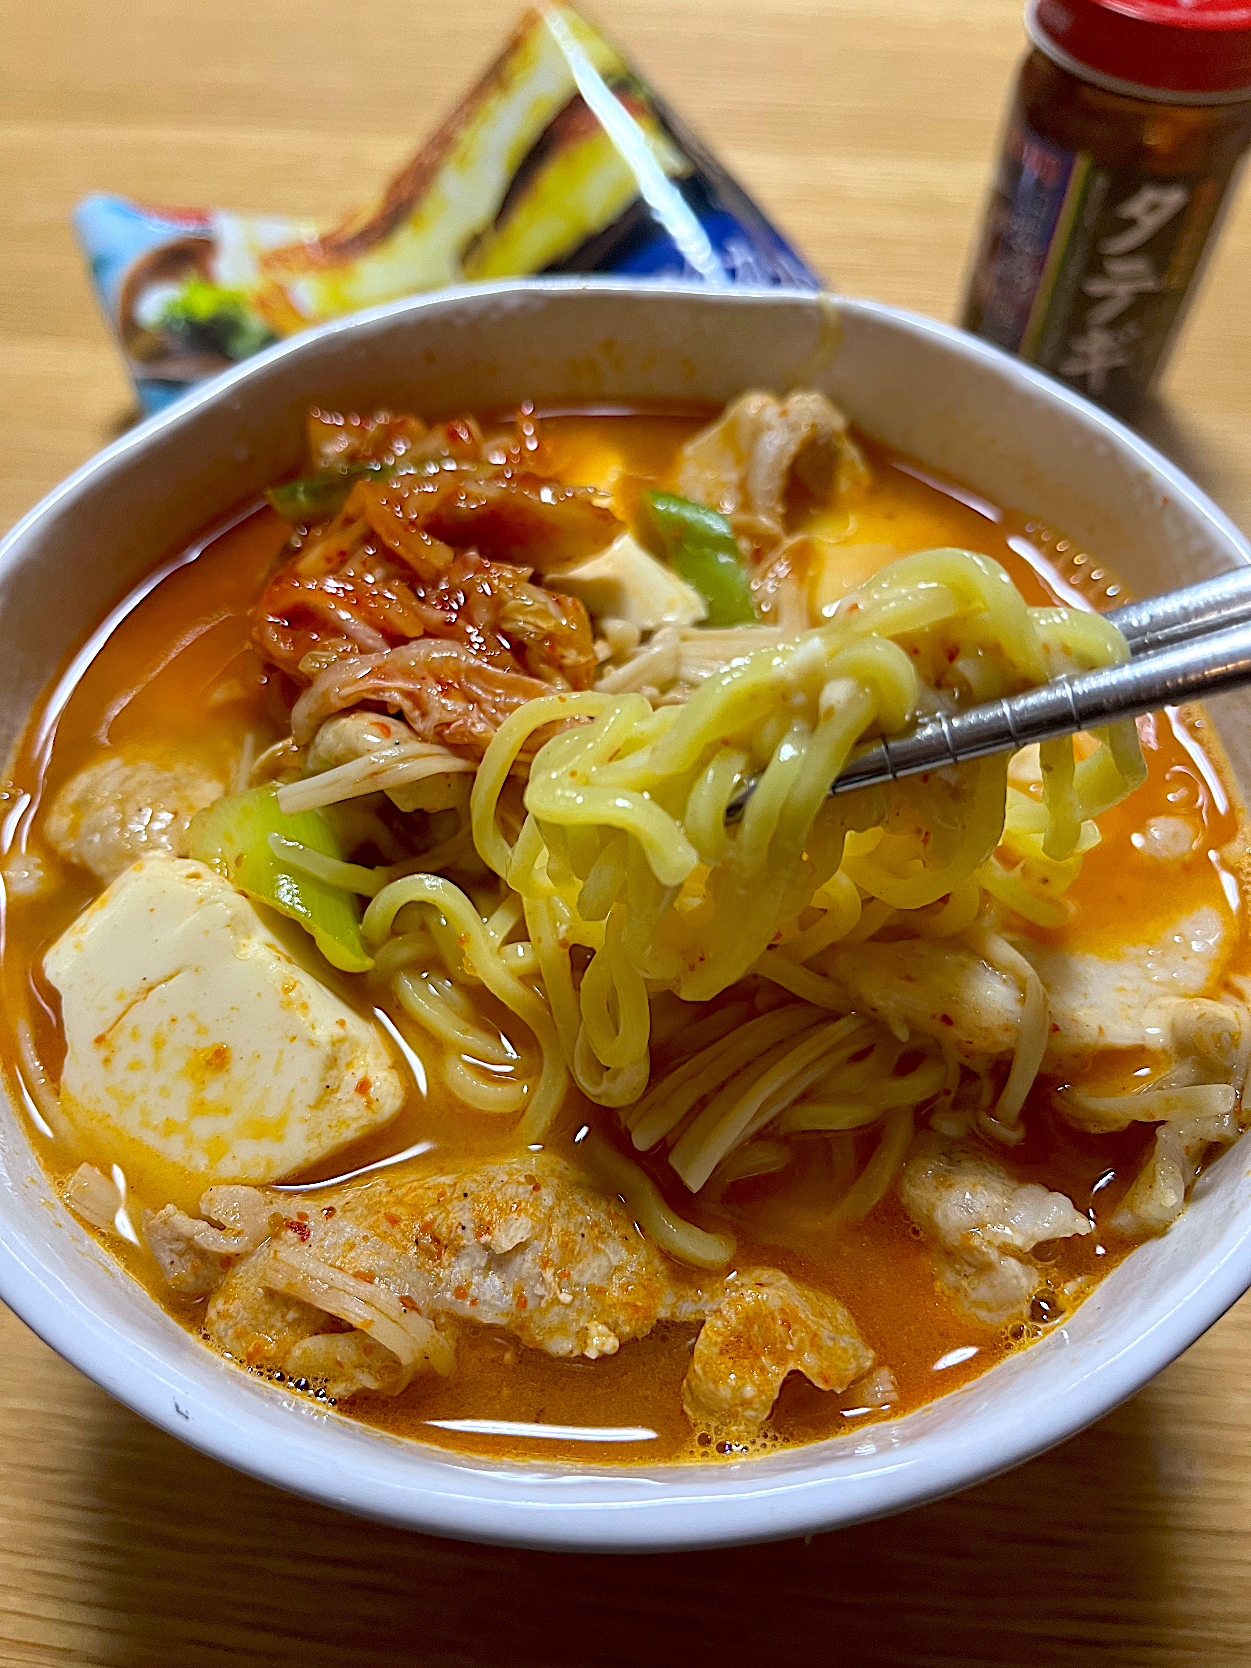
x=1127 y=125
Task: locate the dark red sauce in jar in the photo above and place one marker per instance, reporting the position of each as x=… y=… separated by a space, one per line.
x=1126 y=128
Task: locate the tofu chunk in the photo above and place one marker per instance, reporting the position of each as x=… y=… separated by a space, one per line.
x=626 y=582
x=190 y=1030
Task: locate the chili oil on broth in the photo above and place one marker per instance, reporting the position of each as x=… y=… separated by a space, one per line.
x=172 y=674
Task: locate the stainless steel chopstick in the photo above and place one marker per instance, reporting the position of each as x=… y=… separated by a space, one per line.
x=1179 y=616
x=1184 y=645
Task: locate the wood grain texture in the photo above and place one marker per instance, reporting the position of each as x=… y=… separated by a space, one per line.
x=866 y=127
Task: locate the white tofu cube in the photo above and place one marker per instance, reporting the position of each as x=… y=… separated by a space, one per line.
x=189 y=1029
x=626 y=582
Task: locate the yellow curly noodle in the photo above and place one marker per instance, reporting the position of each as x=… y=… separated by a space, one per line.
x=655 y=1217
x=625 y=856
x=444 y=944
x=625 y=863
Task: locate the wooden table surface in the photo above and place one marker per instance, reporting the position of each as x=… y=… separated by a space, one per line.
x=866 y=127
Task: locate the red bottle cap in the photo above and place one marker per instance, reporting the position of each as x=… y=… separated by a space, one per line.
x=1200 y=49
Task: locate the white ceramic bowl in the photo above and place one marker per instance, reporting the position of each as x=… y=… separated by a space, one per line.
x=961 y=406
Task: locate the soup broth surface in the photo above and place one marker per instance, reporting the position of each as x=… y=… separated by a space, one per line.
x=171 y=674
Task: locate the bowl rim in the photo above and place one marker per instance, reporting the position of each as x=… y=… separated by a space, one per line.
x=708 y=1506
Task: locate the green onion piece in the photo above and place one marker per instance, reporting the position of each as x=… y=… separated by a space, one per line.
x=348 y=877
x=232 y=837
x=700 y=547
x=314 y=497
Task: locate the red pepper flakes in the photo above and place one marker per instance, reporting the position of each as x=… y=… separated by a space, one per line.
x=301 y=1230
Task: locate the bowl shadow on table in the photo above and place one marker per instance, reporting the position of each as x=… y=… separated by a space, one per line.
x=1038 y=1567
x=1172 y=432
x=120 y=421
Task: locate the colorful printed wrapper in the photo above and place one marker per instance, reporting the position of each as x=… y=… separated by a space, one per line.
x=560 y=160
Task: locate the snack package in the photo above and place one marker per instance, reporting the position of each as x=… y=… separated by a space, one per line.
x=559 y=160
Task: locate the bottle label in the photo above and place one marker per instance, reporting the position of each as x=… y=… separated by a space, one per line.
x=1084 y=269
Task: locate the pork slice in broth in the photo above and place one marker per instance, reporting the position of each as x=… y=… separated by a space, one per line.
x=120 y=809
x=982 y=1224
x=365 y=1286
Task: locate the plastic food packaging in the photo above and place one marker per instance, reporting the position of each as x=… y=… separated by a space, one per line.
x=560 y=160
x=1128 y=124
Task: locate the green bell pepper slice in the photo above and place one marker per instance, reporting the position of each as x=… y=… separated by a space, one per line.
x=322 y=494
x=700 y=547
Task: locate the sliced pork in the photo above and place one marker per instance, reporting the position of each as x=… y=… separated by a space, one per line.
x=121 y=809
x=364 y=1286
x=744 y=463
x=982 y=1224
